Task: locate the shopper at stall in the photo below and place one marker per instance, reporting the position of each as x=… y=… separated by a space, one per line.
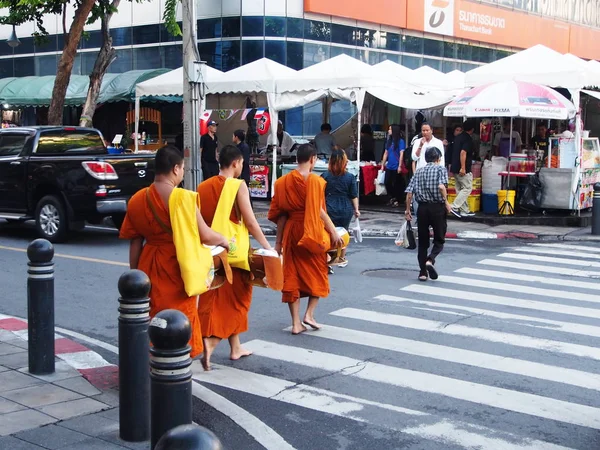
x=462 y=158
x=427 y=141
x=208 y=151
x=393 y=164
x=341 y=194
x=502 y=142
x=239 y=139
x=541 y=141
x=367 y=143
x=325 y=141
x=284 y=141
x=428 y=187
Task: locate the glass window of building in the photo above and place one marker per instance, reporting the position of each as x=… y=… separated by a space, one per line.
x=486 y=55
x=121 y=36
x=165 y=36
x=317 y=30
x=275 y=26
x=295 y=28
x=336 y=51
x=45 y=65
x=294 y=121
x=367 y=38
x=295 y=55
x=341 y=112
x=389 y=41
x=211 y=53
x=48 y=45
x=275 y=51
x=433 y=47
x=91 y=39
x=412 y=62
x=230 y=55
x=312 y=116
x=343 y=34
x=123 y=63
x=24 y=67
x=449 y=66
x=88 y=60
x=172 y=56
x=252 y=51
x=390 y=57
x=6 y=67
x=146 y=34
x=77 y=69
x=146 y=58
x=315 y=53
x=464 y=52
x=412 y=44
x=450 y=50
x=26 y=46
x=231 y=26
x=253 y=26
x=433 y=63
x=209 y=28
x=465 y=67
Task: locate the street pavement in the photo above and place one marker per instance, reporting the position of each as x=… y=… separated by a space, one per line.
x=500 y=353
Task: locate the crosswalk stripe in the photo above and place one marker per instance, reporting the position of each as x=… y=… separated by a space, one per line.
x=531 y=321
x=516 y=340
x=530 y=278
x=549 y=259
x=358 y=409
x=455 y=355
x=568 y=246
x=556 y=252
x=520 y=289
x=503 y=301
x=524 y=403
x=512 y=265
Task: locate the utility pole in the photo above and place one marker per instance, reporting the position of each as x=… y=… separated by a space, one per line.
x=193 y=93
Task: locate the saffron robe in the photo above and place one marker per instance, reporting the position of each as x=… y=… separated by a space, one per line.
x=305 y=272
x=159 y=260
x=223 y=312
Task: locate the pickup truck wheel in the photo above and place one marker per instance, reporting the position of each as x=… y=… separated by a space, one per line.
x=51 y=219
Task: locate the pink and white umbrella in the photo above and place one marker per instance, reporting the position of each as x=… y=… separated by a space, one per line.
x=511 y=99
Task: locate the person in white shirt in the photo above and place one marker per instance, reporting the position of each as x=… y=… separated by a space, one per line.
x=284 y=141
x=420 y=146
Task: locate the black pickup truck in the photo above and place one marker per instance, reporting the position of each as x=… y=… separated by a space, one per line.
x=62 y=177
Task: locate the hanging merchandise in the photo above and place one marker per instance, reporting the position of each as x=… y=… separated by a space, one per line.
x=204 y=122
x=263 y=122
x=485 y=131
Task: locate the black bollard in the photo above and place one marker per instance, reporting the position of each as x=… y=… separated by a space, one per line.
x=189 y=437
x=596 y=210
x=134 y=356
x=40 y=307
x=170 y=372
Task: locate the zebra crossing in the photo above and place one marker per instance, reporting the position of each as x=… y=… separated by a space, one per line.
x=503 y=354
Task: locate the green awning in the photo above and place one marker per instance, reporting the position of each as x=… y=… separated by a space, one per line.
x=37 y=91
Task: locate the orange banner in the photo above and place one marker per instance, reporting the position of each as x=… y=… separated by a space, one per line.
x=585 y=42
x=385 y=12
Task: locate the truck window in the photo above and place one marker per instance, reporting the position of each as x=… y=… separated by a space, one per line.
x=59 y=142
x=12 y=144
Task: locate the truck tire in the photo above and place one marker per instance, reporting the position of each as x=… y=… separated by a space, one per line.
x=51 y=219
x=117 y=220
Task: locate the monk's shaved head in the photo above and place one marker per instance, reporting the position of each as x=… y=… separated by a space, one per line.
x=228 y=155
x=166 y=159
x=305 y=153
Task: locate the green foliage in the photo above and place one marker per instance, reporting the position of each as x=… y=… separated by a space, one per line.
x=170 y=18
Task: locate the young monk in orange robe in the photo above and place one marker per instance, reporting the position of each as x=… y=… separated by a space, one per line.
x=147 y=225
x=223 y=312
x=304 y=232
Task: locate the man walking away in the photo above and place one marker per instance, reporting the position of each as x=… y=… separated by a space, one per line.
x=239 y=138
x=462 y=158
x=428 y=186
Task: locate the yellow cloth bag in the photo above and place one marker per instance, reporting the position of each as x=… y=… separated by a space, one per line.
x=236 y=233
x=195 y=260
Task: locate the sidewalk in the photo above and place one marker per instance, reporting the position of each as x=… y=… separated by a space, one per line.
x=76 y=408
x=387 y=224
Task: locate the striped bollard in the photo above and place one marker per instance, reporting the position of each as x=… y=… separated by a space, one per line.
x=170 y=373
x=596 y=211
x=189 y=437
x=40 y=307
x=134 y=357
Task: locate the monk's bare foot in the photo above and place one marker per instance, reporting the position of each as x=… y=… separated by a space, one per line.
x=298 y=329
x=240 y=353
x=205 y=363
x=209 y=346
x=311 y=323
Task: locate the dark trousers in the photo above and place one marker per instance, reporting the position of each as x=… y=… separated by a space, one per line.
x=433 y=214
x=209 y=169
x=395 y=184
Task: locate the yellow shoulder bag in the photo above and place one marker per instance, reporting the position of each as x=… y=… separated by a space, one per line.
x=236 y=234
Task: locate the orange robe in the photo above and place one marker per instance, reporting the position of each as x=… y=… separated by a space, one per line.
x=159 y=261
x=223 y=312
x=305 y=272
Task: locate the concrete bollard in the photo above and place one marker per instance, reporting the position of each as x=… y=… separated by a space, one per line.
x=134 y=356
x=170 y=373
x=40 y=307
x=596 y=211
x=189 y=437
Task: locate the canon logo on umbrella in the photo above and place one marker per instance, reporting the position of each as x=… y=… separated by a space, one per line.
x=439 y=16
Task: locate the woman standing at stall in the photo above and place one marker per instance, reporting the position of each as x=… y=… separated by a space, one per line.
x=341 y=194
x=393 y=164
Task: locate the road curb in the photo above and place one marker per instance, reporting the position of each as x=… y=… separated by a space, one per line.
x=93 y=367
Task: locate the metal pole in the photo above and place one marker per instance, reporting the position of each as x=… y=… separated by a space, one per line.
x=596 y=211
x=40 y=307
x=170 y=372
x=190 y=126
x=189 y=437
x=134 y=356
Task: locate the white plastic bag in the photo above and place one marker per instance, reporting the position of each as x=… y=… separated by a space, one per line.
x=380 y=177
x=402 y=237
x=380 y=189
x=356 y=231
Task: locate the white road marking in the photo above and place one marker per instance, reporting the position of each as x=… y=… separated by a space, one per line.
x=533 y=405
x=504 y=301
x=473 y=332
x=460 y=356
x=530 y=278
x=84 y=360
x=548 y=259
x=358 y=409
x=512 y=265
x=556 y=252
x=530 y=321
x=89 y=340
x=568 y=247
x=553 y=293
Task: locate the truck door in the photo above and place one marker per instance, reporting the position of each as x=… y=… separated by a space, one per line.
x=13 y=171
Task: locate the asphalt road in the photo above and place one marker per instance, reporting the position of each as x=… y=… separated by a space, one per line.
x=500 y=353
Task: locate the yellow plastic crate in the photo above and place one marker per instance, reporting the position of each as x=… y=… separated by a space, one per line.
x=474 y=202
x=476 y=183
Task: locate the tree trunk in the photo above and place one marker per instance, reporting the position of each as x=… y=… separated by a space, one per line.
x=105 y=57
x=65 y=66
